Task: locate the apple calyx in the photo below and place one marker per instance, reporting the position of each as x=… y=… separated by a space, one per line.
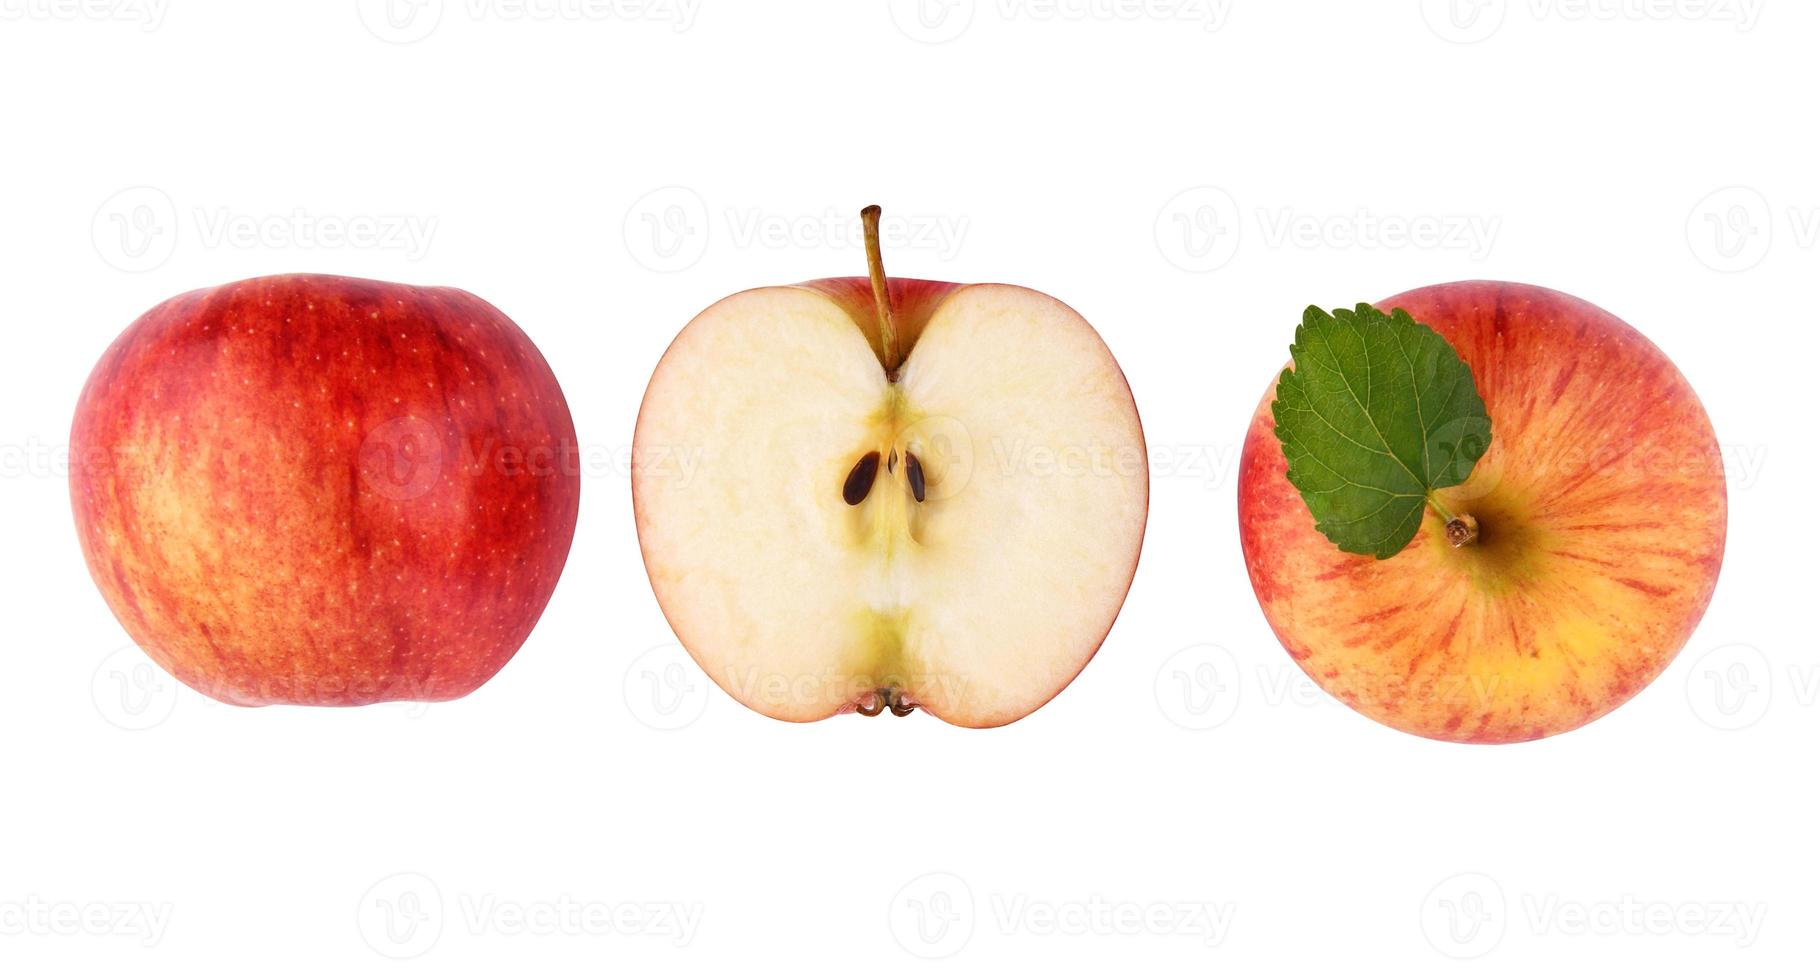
x=1461 y=530
x=884 y=697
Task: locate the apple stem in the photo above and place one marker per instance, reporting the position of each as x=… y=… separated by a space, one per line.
x=1461 y=530
x=881 y=289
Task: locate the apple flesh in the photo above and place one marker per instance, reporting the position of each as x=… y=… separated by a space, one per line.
x=318 y=490
x=1600 y=508
x=953 y=530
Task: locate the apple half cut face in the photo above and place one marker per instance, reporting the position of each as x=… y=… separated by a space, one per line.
x=831 y=525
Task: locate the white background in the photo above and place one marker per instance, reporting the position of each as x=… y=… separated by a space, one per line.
x=1187 y=176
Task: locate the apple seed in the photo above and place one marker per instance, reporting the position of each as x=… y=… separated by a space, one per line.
x=913 y=468
x=859 y=482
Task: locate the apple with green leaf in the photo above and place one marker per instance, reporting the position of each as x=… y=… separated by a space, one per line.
x=1481 y=511
x=318 y=490
x=906 y=494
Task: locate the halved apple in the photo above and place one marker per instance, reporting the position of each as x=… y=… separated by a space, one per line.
x=899 y=494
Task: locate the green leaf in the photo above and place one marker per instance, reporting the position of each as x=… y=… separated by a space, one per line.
x=1377 y=411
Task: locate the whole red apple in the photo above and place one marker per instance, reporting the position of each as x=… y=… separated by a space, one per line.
x=1599 y=510
x=308 y=489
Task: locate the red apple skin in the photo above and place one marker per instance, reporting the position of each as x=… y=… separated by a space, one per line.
x=1602 y=510
x=306 y=489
